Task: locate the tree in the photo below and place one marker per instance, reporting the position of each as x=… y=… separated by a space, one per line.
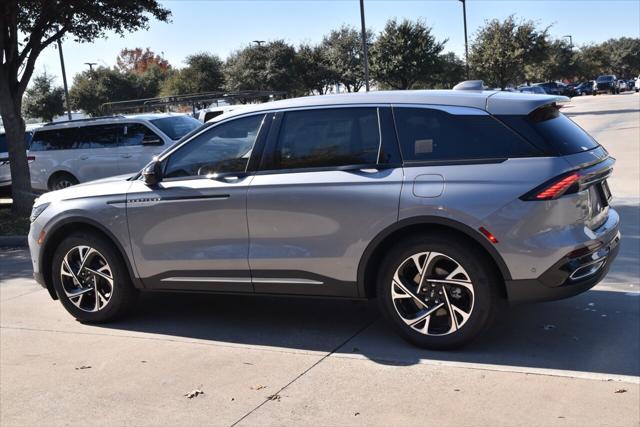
x=43 y=100
x=623 y=56
x=267 y=67
x=344 y=52
x=203 y=73
x=405 y=53
x=560 y=62
x=29 y=26
x=450 y=72
x=501 y=50
x=138 y=61
x=313 y=69
x=91 y=89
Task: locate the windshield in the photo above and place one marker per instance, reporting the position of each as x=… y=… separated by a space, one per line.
x=604 y=79
x=177 y=126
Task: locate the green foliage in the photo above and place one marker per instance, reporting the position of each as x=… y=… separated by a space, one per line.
x=344 y=53
x=501 y=50
x=43 y=100
x=271 y=66
x=91 y=89
x=313 y=70
x=559 y=62
x=203 y=73
x=405 y=53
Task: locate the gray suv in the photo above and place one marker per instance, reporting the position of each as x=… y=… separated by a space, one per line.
x=442 y=204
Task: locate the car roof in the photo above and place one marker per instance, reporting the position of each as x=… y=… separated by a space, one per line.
x=106 y=120
x=494 y=102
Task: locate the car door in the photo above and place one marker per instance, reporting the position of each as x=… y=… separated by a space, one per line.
x=189 y=231
x=137 y=145
x=95 y=153
x=329 y=182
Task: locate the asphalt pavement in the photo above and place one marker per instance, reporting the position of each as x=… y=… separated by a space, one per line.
x=293 y=361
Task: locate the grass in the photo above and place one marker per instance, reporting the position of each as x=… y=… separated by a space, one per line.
x=12 y=225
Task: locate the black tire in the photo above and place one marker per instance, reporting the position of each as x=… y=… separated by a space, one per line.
x=123 y=295
x=62 y=180
x=487 y=302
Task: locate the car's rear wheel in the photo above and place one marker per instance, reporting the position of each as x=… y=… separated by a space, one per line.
x=91 y=279
x=438 y=292
x=62 y=180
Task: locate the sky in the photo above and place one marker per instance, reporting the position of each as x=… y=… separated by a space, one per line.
x=222 y=26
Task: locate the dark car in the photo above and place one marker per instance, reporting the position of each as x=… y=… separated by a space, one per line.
x=584 y=88
x=607 y=83
x=557 y=88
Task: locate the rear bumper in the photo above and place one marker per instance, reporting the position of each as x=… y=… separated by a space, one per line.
x=568 y=277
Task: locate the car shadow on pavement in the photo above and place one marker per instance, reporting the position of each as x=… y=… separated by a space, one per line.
x=594 y=332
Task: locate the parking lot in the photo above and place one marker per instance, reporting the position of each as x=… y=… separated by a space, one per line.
x=288 y=361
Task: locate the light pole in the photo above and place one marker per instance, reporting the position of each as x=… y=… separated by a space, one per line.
x=568 y=36
x=91 y=64
x=466 y=43
x=64 y=80
x=365 y=48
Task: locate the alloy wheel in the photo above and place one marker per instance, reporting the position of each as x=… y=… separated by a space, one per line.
x=86 y=278
x=432 y=293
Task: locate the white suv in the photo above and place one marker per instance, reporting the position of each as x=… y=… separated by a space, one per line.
x=5 y=171
x=67 y=153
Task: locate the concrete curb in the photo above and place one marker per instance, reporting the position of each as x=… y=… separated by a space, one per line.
x=13 y=241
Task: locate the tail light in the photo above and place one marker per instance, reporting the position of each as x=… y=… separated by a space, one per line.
x=556 y=187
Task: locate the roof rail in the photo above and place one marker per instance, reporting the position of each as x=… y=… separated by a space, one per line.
x=88 y=119
x=470 y=85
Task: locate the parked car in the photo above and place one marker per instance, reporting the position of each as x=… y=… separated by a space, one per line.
x=5 y=169
x=606 y=84
x=637 y=84
x=585 y=88
x=209 y=113
x=67 y=153
x=532 y=89
x=419 y=198
x=622 y=85
x=557 y=88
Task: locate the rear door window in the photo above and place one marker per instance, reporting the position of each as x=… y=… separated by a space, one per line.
x=102 y=136
x=428 y=134
x=552 y=131
x=322 y=138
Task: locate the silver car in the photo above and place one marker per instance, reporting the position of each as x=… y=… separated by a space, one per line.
x=442 y=204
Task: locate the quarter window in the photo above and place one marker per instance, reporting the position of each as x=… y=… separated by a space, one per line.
x=327 y=138
x=224 y=148
x=433 y=135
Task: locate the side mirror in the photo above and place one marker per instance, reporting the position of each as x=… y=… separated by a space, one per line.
x=152 y=173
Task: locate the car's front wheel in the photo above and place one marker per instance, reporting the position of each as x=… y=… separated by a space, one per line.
x=91 y=278
x=438 y=292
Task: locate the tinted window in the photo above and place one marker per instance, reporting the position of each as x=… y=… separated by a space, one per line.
x=223 y=148
x=54 y=139
x=326 y=138
x=552 y=131
x=3 y=143
x=177 y=126
x=104 y=136
x=604 y=79
x=434 y=135
x=135 y=134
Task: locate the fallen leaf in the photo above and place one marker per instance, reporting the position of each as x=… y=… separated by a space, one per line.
x=83 y=367
x=356 y=414
x=194 y=393
x=275 y=397
x=456 y=389
x=258 y=387
x=621 y=390
x=247 y=363
x=143 y=361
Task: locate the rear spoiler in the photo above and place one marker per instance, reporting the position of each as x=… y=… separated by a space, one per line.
x=512 y=103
